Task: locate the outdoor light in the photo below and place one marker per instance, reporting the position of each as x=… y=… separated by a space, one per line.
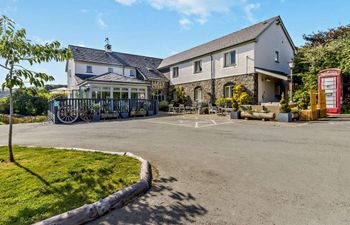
x=291 y=66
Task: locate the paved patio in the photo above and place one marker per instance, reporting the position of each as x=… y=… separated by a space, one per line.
x=213 y=170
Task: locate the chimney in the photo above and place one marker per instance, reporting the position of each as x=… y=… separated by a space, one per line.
x=108 y=47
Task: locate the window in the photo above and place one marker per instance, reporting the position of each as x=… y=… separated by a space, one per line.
x=89 y=69
x=132 y=73
x=228 y=90
x=125 y=93
x=175 y=72
x=198 y=66
x=198 y=94
x=110 y=70
x=277 y=56
x=116 y=93
x=230 y=59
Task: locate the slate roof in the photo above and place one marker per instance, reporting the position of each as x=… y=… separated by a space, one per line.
x=114 y=77
x=235 y=38
x=145 y=65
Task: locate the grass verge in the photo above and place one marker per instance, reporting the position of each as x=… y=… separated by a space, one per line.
x=44 y=182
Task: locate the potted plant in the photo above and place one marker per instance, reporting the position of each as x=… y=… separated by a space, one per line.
x=124 y=108
x=235 y=114
x=141 y=112
x=284 y=111
x=240 y=97
x=96 y=116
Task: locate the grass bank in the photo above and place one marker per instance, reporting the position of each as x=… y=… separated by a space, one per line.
x=44 y=182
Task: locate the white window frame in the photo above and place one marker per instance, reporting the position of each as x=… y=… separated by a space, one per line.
x=198 y=94
x=230 y=90
x=230 y=59
x=199 y=62
x=132 y=73
x=89 y=69
x=277 y=56
x=175 y=75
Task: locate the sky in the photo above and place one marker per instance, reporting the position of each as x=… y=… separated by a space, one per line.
x=160 y=28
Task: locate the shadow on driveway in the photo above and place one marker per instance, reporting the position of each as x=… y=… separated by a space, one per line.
x=181 y=208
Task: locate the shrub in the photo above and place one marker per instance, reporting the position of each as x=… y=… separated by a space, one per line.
x=204 y=110
x=240 y=95
x=164 y=106
x=22 y=119
x=220 y=102
x=284 y=106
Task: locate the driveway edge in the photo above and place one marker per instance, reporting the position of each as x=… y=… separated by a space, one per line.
x=90 y=212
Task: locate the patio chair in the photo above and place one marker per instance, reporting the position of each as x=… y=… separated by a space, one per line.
x=181 y=108
x=213 y=109
x=171 y=108
x=188 y=109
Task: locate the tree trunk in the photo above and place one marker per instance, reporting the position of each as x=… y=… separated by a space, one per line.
x=12 y=159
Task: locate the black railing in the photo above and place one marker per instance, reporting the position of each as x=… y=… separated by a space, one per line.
x=75 y=109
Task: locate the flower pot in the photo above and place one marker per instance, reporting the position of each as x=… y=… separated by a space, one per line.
x=96 y=118
x=124 y=114
x=284 y=117
x=236 y=115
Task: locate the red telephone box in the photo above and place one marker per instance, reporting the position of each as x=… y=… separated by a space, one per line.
x=331 y=82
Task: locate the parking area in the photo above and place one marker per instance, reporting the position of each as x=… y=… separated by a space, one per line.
x=213 y=170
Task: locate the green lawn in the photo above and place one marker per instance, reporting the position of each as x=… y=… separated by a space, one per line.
x=45 y=182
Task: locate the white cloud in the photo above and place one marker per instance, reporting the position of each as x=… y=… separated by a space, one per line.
x=199 y=10
x=126 y=2
x=248 y=10
x=185 y=23
x=100 y=22
x=42 y=41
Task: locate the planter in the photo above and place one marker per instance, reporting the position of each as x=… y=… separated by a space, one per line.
x=284 y=117
x=138 y=113
x=96 y=118
x=124 y=114
x=236 y=115
x=150 y=112
x=295 y=115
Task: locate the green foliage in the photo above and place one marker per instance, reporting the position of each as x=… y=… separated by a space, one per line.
x=346 y=105
x=323 y=50
x=180 y=95
x=16 y=49
x=284 y=106
x=220 y=102
x=45 y=182
x=163 y=106
x=240 y=96
x=4 y=119
x=302 y=93
x=27 y=102
x=322 y=37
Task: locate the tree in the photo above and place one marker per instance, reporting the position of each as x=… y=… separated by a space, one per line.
x=323 y=50
x=284 y=106
x=16 y=51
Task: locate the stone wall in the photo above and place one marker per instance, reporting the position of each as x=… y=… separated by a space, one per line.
x=206 y=89
x=250 y=82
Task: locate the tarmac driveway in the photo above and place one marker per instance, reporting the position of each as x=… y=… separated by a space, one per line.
x=213 y=170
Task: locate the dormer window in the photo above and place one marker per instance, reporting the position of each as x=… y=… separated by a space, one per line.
x=88 y=69
x=132 y=73
x=277 y=56
x=110 y=70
